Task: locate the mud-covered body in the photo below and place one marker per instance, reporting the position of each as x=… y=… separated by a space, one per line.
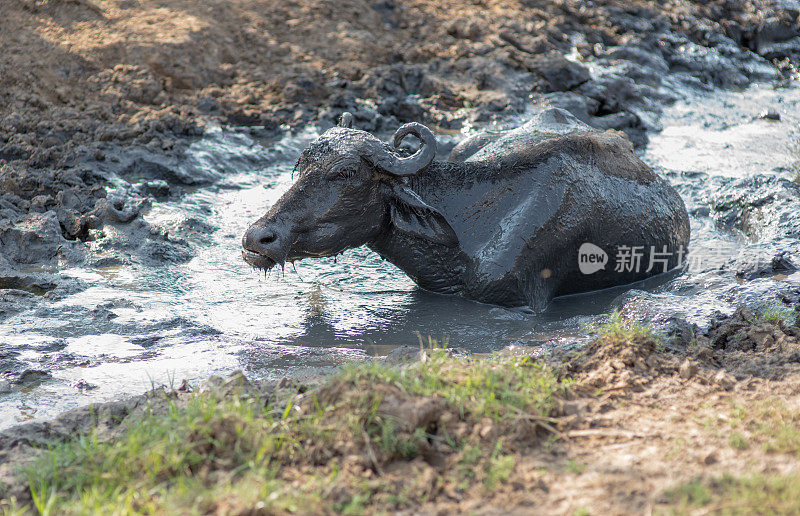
x=522 y=203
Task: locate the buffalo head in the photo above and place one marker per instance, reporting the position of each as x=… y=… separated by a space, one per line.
x=351 y=188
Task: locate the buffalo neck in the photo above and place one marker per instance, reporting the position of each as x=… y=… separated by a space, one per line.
x=432 y=266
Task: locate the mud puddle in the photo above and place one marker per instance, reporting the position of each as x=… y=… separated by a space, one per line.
x=733 y=158
x=136 y=326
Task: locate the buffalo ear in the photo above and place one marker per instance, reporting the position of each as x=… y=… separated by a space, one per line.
x=413 y=216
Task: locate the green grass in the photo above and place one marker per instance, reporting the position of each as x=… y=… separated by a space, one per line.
x=777 y=312
x=729 y=495
x=576 y=468
x=620 y=339
x=225 y=455
x=624 y=331
x=331 y=448
x=738 y=441
x=769 y=424
x=499 y=467
x=497 y=388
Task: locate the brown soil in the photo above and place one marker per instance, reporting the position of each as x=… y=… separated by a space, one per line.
x=81 y=71
x=664 y=419
x=645 y=421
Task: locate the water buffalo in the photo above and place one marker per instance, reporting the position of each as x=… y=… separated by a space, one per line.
x=512 y=218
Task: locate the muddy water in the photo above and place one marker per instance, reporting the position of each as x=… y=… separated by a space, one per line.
x=707 y=141
x=139 y=326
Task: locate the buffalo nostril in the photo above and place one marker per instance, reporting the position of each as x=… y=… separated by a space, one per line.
x=258 y=239
x=267 y=238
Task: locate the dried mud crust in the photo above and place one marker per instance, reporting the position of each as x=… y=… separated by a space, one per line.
x=85 y=84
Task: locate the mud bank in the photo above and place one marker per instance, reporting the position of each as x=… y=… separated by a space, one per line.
x=620 y=427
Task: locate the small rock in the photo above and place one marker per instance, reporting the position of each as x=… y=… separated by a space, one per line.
x=687 y=369
x=82 y=385
x=652 y=362
x=207 y=104
x=402 y=356
x=5 y=387
x=724 y=380
x=560 y=73
x=211 y=384
x=770 y=114
x=235 y=384
x=33 y=376
x=157 y=188
x=710 y=458
x=464 y=29
x=37 y=239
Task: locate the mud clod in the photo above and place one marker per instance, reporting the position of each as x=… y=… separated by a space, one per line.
x=687 y=369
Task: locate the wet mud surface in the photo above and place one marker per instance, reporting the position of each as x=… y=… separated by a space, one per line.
x=125 y=195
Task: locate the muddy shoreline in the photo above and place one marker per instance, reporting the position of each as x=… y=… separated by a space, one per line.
x=97 y=131
x=600 y=434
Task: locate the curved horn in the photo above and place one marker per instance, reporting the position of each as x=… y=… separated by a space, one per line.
x=395 y=165
x=346 y=120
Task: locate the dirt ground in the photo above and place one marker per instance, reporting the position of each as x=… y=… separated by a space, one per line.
x=671 y=419
x=645 y=422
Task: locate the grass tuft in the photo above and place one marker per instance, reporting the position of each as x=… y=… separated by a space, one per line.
x=776 y=312
x=619 y=339
x=755 y=494
x=625 y=331
x=738 y=441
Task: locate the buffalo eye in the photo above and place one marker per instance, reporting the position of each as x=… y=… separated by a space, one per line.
x=342 y=173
